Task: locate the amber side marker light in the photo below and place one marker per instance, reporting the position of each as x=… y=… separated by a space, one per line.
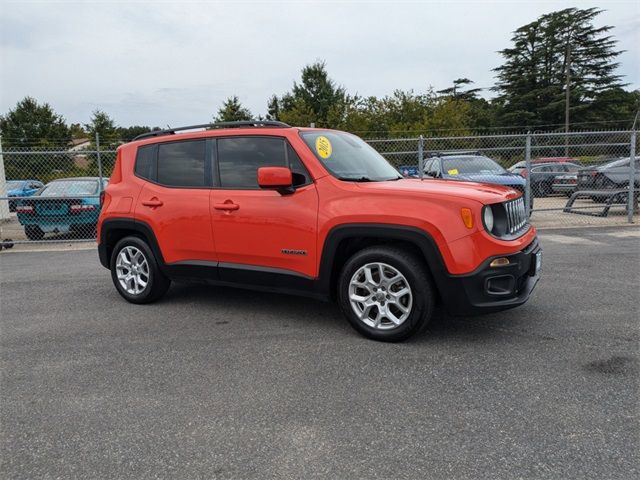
x=499 y=262
x=467 y=217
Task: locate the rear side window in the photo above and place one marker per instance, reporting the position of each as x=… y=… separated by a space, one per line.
x=181 y=164
x=144 y=161
x=240 y=157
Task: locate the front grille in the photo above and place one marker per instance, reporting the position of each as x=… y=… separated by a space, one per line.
x=516 y=215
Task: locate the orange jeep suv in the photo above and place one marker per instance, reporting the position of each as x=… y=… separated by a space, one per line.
x=316 y=212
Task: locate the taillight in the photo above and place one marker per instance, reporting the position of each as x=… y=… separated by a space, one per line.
x=81 y=208
x=524 y=173
x=27 y=209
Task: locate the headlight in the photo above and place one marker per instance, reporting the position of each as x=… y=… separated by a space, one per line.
x=487 y=218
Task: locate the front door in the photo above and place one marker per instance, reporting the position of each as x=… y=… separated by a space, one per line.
x=260 y=232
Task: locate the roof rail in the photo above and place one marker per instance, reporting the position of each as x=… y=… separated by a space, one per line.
x=238 y=124
x=454 y=152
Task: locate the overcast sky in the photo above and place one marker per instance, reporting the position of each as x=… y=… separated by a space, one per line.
x=174 y=63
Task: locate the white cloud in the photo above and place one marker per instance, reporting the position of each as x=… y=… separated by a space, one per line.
x=174 y=63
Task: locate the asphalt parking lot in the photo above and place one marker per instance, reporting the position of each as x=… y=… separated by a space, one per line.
x=222 y=383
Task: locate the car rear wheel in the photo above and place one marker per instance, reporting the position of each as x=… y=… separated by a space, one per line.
x=135 y=272
x=386 y=293
x=33 y=232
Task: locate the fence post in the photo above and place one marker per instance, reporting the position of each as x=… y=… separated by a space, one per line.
x=527 y=187
x=421 y=157
x=4 y=204
x=632 y=178
x=99 y=161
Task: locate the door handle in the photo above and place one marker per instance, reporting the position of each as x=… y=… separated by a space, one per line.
x=228 y=206
x=154 y=202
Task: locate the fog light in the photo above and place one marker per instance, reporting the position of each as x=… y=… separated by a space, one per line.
x=499 y=262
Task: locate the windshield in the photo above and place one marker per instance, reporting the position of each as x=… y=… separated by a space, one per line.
x=348 y=157
x=470 y=164
x=14 y=185
x=70 y=188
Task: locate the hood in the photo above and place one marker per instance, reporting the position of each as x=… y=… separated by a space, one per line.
x=480 y=192
x=497 y=179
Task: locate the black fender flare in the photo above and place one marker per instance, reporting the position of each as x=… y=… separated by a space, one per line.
x=417 y=237
x=131 y=225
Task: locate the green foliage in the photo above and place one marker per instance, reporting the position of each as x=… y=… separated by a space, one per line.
x=232 y=111
x=103 y=125
x=77 y=131
x=30 y=122
x=531 y=82
x=33 y=126
x=127 y=134
x=316 y=99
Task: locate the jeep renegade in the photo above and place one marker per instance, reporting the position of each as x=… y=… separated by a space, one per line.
x=315 y=212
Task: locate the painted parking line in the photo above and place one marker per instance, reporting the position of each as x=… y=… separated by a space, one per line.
x=567 y=240
x=624 y=234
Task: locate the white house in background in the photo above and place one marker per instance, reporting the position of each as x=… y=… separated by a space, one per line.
x=77 y=145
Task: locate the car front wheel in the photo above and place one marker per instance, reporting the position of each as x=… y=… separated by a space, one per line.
x=386 y=293
x=135 y=272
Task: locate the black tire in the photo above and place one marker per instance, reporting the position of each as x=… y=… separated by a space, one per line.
x=416 y=274
x=157 y=283
x=33 y=232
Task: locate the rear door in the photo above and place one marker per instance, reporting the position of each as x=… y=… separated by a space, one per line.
x=262 y=231
x=174 y=200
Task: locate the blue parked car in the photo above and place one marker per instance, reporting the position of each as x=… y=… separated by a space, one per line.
x=62 y=206
x=472 y=168
x=21 y=188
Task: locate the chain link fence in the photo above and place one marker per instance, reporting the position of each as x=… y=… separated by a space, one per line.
x=52 y=193
x=568 y=179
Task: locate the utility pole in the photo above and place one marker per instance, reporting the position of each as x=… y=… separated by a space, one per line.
x=567 y=95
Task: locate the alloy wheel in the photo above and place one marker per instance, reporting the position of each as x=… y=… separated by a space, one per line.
x=380 y=296
x=132 y=270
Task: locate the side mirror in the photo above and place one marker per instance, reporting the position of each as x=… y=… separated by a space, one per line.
x=276 y=178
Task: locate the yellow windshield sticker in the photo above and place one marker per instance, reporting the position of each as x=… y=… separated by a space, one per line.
x=453 y=171
x=323 y=147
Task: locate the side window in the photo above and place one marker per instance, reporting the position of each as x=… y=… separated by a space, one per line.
x=300 y=174
x=181 y=164
x=144 y=159
x=240 y=157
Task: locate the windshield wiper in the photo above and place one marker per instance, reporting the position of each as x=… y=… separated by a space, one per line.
x=368 y=179
x=356 y=179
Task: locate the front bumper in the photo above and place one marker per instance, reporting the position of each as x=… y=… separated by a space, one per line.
x=492 y=289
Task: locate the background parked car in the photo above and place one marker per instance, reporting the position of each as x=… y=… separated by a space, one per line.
x=544 y=174
x=565 y=184
x=472 y=168
x=610 y=176
x=21 y=188
x=61 y=206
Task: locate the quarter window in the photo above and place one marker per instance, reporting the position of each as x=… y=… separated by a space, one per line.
x=144 y=160
x=181 y=164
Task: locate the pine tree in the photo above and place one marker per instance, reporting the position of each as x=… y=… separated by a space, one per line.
x=232 y=110
x=561 y=56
